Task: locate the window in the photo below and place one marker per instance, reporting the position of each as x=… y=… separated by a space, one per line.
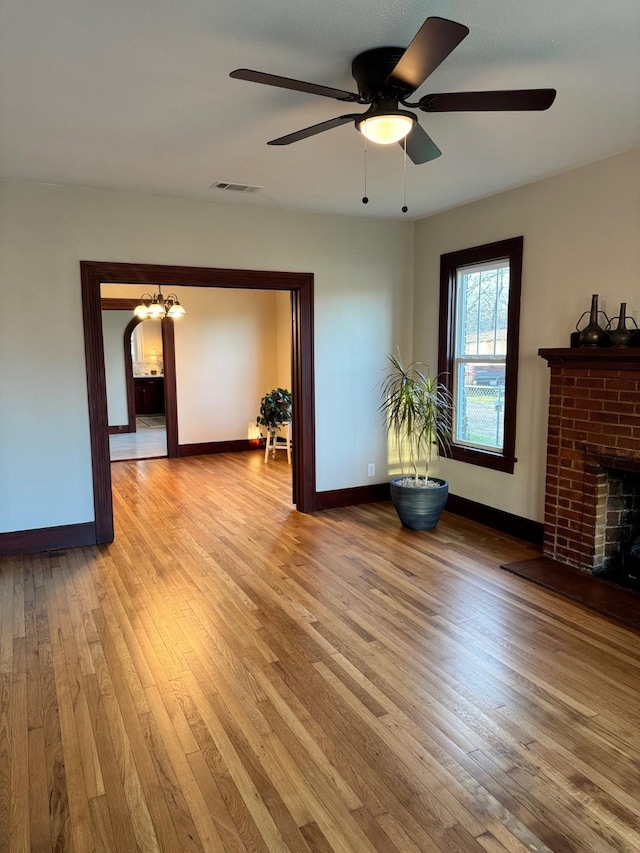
x=478 y=356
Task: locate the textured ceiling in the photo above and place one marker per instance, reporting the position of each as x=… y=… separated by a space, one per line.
x=137 y=96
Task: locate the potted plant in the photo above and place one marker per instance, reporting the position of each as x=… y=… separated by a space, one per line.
x=417 y=410
x=275 y=410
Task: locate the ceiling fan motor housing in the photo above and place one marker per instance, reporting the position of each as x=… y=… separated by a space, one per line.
x=371 y=71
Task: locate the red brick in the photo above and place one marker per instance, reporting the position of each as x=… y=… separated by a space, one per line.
x=617 y=431
x=573 y=392
x=631 y=420
x=629 y=443
x=590 y=382
x=606 y=395
x=591 y=404
x=623 y=385
x=609 y=374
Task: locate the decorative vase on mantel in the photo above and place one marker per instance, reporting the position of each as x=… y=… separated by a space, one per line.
x=593 y=333
x=621 y=335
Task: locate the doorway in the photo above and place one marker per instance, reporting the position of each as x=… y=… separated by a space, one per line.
x=300 y=285
x=144 y=367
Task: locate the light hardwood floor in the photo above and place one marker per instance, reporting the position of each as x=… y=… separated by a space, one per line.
x=230 y=675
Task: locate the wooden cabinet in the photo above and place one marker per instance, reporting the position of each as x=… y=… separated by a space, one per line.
x=148 y=393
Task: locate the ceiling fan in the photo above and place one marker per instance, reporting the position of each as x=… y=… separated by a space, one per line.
x=387 y=77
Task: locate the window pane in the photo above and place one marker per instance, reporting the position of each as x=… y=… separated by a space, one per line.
x=479 y=416
x=482 y=302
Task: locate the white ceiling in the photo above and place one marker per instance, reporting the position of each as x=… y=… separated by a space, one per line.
x=136 y=95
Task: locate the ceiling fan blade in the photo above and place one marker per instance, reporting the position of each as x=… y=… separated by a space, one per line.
x=289 y=83
x=420 y=146
x=431 y=45
x=509 y=99
x=312 y=130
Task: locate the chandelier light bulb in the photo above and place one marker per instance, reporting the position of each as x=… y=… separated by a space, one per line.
x=176 y=311
x=141 y=311
x=156 y=311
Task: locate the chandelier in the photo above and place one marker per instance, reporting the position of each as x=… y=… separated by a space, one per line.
x=157 y=306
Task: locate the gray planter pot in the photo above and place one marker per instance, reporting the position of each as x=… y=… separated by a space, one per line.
x=419 y=509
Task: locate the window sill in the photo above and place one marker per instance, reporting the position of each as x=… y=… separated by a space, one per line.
x=484 y=458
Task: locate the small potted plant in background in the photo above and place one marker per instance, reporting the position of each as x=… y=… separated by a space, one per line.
x=417 y=410
x=275 y=410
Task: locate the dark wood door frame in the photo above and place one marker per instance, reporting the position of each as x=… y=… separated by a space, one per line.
x=95 y=273
x=128 y=372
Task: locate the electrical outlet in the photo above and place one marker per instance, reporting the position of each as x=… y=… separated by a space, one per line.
x=371 y=469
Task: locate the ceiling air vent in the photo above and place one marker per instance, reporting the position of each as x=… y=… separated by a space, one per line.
x=238 y=188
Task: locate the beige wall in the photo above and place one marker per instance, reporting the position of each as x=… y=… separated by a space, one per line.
x=363 y=299
x=225 y=361
x=285 y=331
x=581 y=236
x=226 y=357
x=113 y=325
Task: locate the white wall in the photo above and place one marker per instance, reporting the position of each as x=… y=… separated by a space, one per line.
x=227 y=347
x=113 y=325
x=363 y=299
x=581 y=236
x=284 y=339
x=225 y=361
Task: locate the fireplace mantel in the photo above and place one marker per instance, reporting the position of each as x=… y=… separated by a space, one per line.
x=604 y=358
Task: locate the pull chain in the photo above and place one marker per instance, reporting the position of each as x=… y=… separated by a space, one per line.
x=365 y=199
x=404 y=167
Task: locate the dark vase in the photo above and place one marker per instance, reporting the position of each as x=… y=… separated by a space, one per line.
x=620 y=336
x=593 y=332
x=419 y=509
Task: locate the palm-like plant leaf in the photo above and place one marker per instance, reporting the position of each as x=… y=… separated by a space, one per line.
x=417 y=410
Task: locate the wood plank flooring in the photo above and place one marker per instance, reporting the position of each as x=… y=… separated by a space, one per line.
x=230 y=675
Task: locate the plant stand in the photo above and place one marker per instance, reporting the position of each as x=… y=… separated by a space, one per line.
x=272 y=443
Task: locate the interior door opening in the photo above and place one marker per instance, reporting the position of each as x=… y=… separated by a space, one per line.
x=299 y=285
x=143 y=367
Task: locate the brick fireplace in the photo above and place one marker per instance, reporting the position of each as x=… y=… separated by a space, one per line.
x=593 y=455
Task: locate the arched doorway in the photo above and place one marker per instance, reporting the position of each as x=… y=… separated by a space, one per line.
x=169 y=358
x=95 y=273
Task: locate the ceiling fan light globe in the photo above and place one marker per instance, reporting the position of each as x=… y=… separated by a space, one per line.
x=386 y=129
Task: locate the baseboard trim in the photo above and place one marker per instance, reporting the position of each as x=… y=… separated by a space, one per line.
x=116 y=430
x=47 y=539
x=337 y=498
x=498 y=519
x=207 y=447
